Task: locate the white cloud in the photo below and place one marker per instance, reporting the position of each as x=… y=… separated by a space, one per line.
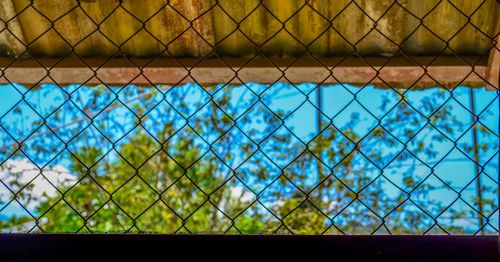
x=23 y=171
x=244 y=196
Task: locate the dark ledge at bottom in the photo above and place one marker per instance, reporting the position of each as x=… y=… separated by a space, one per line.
x=143 y=247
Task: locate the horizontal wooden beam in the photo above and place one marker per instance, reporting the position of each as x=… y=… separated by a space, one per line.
x=401 y=72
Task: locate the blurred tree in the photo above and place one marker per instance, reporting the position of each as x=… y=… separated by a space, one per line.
x=230 y=164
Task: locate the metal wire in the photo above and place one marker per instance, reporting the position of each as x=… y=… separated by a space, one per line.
x=190 y=158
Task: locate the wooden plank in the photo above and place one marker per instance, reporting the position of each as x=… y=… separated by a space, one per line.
x=420 y=72
x=194 y=28
x=493 y=72
x=438 y=26
x=11 y=35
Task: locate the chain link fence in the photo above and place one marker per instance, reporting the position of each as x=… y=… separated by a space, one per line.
x=100 y=151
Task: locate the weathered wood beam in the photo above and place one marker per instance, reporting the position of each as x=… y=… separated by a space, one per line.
x=400 y=72
x=493 y=72
x=12 y=42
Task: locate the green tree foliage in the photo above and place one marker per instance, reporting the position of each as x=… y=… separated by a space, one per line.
x=231 y=165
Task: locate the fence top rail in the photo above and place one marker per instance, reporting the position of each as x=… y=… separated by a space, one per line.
x=384 y=72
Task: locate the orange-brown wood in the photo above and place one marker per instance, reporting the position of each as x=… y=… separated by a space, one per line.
x=419 y=72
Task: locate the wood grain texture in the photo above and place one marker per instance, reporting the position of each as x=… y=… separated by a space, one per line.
x=493 y=71
x=279 y=28
x=11 y=36
x=447 y=72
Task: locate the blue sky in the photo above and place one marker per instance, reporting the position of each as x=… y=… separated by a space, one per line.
x=337 y=103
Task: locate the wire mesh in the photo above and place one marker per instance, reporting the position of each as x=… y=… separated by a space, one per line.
x=278 y=158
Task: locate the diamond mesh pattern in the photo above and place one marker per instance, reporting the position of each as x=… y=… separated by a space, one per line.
x=280 y=158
